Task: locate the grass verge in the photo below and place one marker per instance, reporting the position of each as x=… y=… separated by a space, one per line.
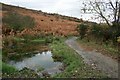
x=74 y=65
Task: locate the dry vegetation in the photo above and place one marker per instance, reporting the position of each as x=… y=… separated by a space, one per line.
x=45 y=23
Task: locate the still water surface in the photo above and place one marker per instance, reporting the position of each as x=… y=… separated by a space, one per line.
x=43 y=60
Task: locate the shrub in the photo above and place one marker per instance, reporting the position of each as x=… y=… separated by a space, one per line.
x=48 y=39
x=97 y=30
x=115 y=30
x=17 y=21
x=82 y=28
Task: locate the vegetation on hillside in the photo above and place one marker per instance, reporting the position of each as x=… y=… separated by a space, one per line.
x=18 y=22
x=45 y=23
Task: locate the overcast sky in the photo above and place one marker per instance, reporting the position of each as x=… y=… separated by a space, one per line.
x=64 y=7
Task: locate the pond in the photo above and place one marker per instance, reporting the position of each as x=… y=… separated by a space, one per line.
x=39 y=60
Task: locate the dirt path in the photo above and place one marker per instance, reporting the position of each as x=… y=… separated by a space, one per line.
x=95 y=59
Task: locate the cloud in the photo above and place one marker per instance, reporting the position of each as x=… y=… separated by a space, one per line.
x=64 y=7
x=47 y=5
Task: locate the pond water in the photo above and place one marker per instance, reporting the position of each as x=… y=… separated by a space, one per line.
x=43 y=60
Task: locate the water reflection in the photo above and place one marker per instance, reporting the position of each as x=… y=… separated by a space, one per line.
x=43 y=59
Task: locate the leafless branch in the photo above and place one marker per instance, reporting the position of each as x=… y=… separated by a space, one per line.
x=111 y=4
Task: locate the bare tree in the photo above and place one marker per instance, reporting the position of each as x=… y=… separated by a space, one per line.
x=108 y=10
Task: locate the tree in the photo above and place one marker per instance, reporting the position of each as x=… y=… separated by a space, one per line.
x=108 y=11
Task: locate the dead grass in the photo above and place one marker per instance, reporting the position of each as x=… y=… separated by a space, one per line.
x=50 y=24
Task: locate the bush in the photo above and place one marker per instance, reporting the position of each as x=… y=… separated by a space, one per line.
x=82 y=28
x=17 y=21
x=48 y=39
x=97 y=31
x=115 y=30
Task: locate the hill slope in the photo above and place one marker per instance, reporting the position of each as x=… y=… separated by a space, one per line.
x=45 y=23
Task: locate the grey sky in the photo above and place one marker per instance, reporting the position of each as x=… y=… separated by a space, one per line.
x=64 y=7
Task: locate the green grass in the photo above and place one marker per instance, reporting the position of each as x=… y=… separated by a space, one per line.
x=0 y=65
x=39 y=40
x=6 y=68
x=74 y=65
x=0 y=53
x=9 y=71
x=19 y=39
x=34 y=39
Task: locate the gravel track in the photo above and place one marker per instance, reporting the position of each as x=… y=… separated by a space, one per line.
x=95 y=59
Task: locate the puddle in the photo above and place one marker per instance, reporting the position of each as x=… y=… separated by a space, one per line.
x=43 y=60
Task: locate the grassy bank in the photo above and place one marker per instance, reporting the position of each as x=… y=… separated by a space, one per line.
x=73 y=63
x=108 y=50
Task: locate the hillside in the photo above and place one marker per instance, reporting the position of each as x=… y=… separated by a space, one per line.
x=45 y=23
